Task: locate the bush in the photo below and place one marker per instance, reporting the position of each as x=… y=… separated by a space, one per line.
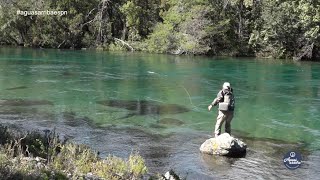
x=19 y=159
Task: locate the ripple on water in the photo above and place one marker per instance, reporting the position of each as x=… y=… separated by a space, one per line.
x=46 y=81
x=180 y=151
x=277 y=123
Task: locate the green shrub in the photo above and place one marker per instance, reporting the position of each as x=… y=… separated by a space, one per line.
x=59 y=160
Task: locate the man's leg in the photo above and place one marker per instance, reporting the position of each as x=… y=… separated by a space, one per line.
x=229 y=116
x=220 y=119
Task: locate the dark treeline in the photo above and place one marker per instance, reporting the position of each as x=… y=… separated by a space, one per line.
x=263 y=28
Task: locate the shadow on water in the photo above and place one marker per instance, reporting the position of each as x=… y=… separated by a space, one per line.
x=143 y=107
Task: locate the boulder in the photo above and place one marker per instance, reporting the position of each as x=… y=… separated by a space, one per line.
x=224 y=145
x=170 y=175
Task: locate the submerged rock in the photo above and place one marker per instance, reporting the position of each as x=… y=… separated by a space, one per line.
x=18 y=87
x=171 y=121
x=170 y=175
x=24 y=102
x=224 y=145
x=144 y=107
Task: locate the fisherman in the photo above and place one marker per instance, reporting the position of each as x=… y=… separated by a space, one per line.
x=226 y=102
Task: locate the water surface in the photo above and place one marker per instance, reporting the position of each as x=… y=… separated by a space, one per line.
x=157 y=104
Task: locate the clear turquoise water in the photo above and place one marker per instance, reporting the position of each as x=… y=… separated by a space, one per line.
x=275 y=99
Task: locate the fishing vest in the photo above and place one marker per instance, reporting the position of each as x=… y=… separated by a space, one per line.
x=227 y=102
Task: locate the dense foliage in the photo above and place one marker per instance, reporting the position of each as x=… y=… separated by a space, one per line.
x=265 y=28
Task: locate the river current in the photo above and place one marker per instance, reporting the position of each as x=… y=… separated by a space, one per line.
x=156 y=105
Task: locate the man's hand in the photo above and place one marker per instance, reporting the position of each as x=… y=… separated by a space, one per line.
x=209 y=107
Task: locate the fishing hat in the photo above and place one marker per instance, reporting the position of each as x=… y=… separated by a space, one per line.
x=226 y=85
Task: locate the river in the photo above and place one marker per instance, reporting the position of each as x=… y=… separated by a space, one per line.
x=120 y=103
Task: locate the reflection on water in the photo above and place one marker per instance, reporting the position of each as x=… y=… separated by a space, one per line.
x=162 y=103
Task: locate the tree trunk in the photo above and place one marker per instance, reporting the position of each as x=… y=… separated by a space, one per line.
x=124 y=32
x=240 y=9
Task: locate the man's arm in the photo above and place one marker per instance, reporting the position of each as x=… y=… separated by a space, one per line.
x=216 y=100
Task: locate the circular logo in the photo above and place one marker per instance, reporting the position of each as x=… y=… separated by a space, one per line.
x=292 y=160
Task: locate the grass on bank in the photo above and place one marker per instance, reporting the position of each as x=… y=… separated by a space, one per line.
x=36 y=156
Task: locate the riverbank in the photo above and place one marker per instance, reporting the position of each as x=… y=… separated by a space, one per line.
x=233 y=28
x=42 y=155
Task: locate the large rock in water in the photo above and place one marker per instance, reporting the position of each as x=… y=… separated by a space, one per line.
x=224 y=145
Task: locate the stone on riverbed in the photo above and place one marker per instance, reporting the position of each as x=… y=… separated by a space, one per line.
x=224 y=145
x=171 y=121
x=24 y=102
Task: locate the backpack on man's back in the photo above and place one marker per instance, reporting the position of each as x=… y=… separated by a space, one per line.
x=228 y=102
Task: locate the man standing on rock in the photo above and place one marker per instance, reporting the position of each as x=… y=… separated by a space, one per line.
x=226 y=102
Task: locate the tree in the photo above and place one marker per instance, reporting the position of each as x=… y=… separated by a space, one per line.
x=288 y=29
x=183 y=30
x=268 y=28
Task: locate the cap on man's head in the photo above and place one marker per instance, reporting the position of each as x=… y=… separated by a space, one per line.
x=226 y=85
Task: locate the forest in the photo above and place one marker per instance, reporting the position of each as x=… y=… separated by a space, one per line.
x=282 y=29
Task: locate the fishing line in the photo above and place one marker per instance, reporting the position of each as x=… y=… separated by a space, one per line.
x=189 y=97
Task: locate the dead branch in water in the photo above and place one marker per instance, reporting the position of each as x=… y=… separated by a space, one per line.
x=124 y=43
